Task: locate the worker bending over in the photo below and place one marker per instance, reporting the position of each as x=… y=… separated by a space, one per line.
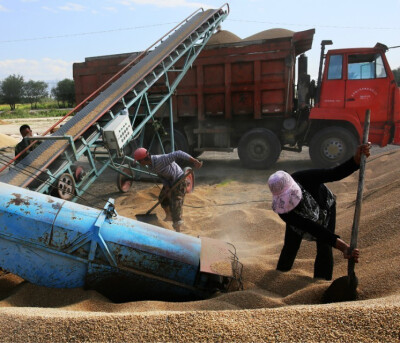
x=308 y=208
x=170 y=173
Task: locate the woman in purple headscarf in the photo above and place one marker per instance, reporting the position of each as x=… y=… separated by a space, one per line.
x=308 y=208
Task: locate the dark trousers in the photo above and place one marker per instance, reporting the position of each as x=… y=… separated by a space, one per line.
x=323 y=265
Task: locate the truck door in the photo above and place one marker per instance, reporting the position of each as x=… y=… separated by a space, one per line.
x=333 y=86
x=368 y=87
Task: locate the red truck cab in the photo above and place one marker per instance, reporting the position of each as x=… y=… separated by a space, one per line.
x=353 y=81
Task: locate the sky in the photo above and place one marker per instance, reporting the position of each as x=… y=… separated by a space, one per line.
x=41 y=39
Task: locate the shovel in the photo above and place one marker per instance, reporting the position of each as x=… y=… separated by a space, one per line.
x=345 y=287
x=149 y=217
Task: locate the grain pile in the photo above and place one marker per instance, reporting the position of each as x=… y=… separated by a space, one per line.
x=7 y=141
x=270 y=34
x=232 y=204
x=223 y=37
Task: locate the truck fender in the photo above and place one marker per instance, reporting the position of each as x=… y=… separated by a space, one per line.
x=350 y=117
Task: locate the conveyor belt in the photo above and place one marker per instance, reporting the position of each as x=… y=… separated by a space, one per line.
x=49 y=151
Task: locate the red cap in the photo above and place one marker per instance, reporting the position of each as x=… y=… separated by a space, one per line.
x=140 y=154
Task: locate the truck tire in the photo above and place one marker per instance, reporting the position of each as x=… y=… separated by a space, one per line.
x=332 y=146
x=181 y=143
x=259 y=149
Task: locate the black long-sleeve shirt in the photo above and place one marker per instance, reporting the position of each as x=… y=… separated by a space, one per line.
x=312 y=181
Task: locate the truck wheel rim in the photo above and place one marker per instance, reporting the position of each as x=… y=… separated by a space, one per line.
x=332 y=149
x=258 y=149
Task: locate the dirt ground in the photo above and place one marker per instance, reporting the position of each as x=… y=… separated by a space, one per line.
x=233 y=204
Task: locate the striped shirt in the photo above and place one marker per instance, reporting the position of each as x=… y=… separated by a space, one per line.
x=166 y=167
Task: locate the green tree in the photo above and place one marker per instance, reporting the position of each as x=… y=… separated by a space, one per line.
x=396 y=73
x=12 y=90
x=34 y=91
x=64 y=92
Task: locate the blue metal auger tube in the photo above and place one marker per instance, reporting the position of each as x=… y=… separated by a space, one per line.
x=57 y=243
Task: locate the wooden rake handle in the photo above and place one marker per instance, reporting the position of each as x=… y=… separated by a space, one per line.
x=357 y=212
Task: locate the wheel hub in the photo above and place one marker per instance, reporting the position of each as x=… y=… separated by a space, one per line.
x=258 y=149
x=333 y=149
x=66 y=186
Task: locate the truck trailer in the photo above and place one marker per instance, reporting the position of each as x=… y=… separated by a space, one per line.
x=256 y=95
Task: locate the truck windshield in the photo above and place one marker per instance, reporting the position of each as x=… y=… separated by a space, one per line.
x=365 y=66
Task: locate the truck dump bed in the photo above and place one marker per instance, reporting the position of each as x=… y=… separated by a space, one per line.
x=247 y=77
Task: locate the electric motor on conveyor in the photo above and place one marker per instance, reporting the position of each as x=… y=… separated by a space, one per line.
x=57 y=243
